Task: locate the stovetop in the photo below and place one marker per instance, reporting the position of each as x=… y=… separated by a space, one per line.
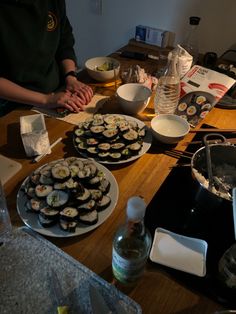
x=175 y=207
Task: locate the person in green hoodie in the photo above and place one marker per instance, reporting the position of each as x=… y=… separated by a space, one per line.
x=37 y=57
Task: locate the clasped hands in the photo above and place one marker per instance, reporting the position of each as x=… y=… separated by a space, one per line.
x=74 y=98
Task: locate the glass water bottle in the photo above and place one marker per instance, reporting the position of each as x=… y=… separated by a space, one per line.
x=190 y=42
x=131 y=244
x=168 y=88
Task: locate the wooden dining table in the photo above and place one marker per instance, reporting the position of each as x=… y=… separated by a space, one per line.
x=157 y=291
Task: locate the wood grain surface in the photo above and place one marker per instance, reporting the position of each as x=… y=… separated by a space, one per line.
x=157 y=292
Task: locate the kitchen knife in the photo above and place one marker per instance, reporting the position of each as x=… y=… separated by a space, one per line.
x=56 y=287
x=98 y=303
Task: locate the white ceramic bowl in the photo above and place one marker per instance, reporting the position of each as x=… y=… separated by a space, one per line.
x=133 y=97
x=102 y=76
x=169 y=128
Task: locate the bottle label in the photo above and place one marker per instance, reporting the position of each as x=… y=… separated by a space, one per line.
x=127 y=270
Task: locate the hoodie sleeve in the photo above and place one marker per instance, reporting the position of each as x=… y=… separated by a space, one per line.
x=66 y=44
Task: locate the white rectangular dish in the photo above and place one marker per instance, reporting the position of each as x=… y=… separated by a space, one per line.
x=179 y=252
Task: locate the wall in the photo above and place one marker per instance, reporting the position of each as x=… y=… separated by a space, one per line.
x=100 y=34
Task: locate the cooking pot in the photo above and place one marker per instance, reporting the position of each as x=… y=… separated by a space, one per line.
x=214 y=168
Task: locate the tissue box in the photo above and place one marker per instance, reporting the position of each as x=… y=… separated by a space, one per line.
x=34 y=135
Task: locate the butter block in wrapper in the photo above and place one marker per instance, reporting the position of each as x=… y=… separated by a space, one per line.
x=34 y=135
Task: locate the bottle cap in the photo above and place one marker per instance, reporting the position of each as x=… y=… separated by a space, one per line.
x=136 y=208
x=194 y=20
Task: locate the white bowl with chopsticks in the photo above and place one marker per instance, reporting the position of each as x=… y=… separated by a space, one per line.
x=169 y=128
x=103 y=68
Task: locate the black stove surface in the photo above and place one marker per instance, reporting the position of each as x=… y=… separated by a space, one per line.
x=176 y=207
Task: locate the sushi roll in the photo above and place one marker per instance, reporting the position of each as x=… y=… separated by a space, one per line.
x=57 y=198
x=191 y=110
x=142 y=132
x=34 y=178
x=83 y=197
x=82 y=146
x=45 y=222
x=125 y=153
x=117 y=146
x=104 y=147
x=74 y=169
x=96 y=194
x=182 y=106
x=42 y=190
x=135 y=148
x=44 y=179
x=69 y=226
x=116 y=156
x=130 y=136
x=92 y=151
x=89 y=206
x=104 y=186
x=103 y=203
x=95 y=181
x=92 y=141
x=97 y=130
x=200 y=99
x=79 y=132
x=49 y=213
x=35 y=205
x=61 y=173
x=69 y=214
x=89 y=218
x=103 y=155
x=110 y=133
x=30 y=191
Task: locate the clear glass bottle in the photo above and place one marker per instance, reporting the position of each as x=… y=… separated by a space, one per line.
x=190 y=42
x=168 y=87
x=131 y=244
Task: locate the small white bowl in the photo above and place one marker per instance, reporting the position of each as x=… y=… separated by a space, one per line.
x=133 y=97
x=92 y=64
x=169 y=128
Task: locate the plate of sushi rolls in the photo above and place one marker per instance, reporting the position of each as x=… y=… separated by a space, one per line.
x=112 y=138
x=67 y=197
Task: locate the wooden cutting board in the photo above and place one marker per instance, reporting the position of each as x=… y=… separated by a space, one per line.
x=8 y=168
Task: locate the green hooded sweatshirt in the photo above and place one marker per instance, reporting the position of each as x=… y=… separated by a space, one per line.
x=35 y=36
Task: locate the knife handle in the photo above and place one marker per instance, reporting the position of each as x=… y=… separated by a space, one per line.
x=63 y=309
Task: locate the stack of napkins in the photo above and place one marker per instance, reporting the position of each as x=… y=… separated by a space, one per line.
x=34 y=135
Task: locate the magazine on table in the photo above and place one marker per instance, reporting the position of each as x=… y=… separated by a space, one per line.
x=201 y=89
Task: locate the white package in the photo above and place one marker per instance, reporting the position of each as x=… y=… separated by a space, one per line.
x=34 y=135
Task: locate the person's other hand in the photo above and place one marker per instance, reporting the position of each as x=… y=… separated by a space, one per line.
x=83 y=91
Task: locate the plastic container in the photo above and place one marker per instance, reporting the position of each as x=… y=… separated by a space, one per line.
x=190 y=42
x=227 y=268
x=168 y=88
x=131 y=244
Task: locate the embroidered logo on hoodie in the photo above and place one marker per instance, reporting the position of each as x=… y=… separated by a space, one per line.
x=52 y=22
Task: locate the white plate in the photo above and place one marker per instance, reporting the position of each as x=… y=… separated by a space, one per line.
x=147 y=141
x=179 y=252
x=31 y=219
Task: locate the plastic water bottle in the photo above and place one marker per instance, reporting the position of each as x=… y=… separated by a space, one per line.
x=131 y=244
x=190 y=42
x=168 y=88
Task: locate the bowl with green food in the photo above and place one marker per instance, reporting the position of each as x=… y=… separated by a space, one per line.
x=103 y=69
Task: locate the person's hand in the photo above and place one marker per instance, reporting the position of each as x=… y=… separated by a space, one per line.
x=65 y=99
x=81 y=90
